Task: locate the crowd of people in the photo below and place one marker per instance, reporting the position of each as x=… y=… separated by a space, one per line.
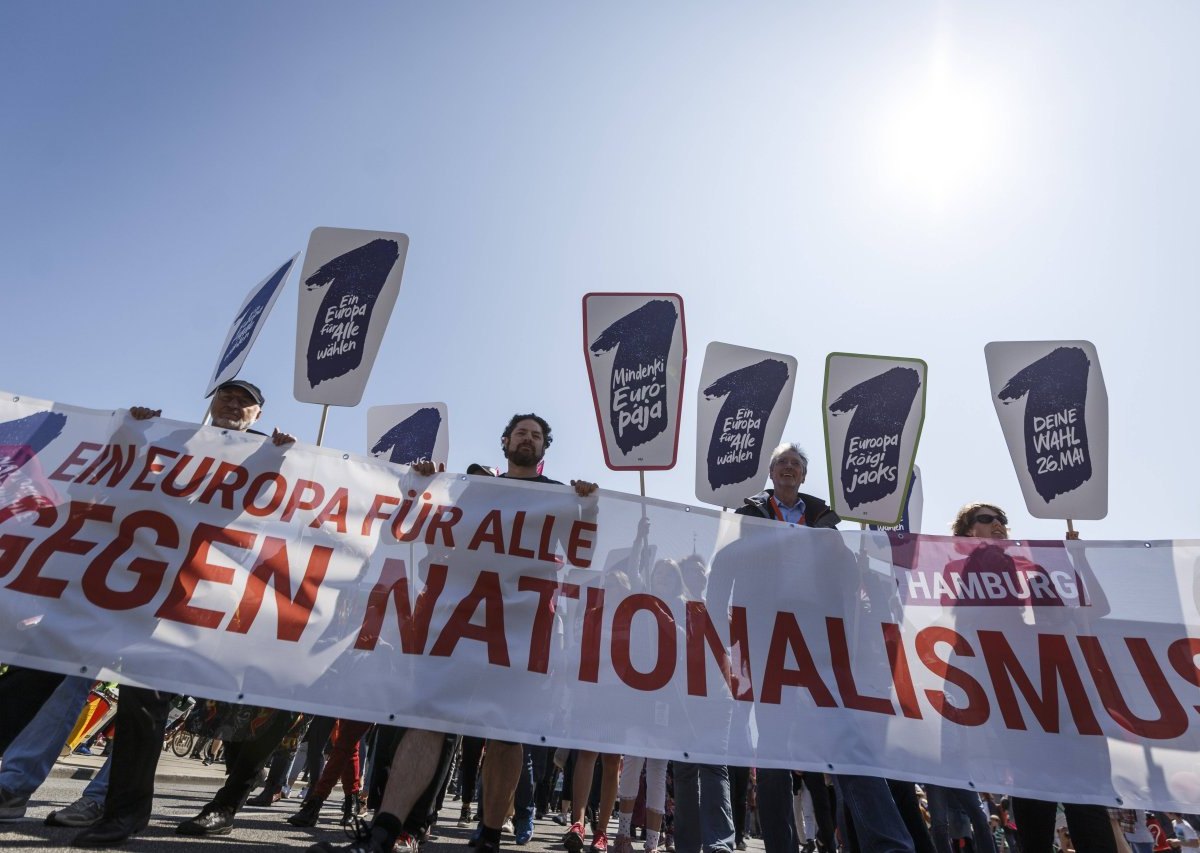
x=399 y=778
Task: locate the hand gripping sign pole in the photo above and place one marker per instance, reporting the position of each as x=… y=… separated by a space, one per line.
x=635 y=347
x=1053 y=408
x=349 y=285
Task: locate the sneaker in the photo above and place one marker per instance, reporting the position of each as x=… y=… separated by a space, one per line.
x=741 y=845
x=523 y=830
x=507 y=826
x=599 y=843
x=82 y=812
x=405 y=843
x=464 y=817
x=573 y=838
x=12 y=806
x=560 y=819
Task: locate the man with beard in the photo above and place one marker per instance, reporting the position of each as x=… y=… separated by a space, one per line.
x=524 y=442
x=142 y=712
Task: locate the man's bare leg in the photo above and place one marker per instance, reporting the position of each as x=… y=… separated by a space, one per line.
x=413 y=768
x=501 y=770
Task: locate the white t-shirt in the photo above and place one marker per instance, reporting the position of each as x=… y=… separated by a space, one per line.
x=1186 y=835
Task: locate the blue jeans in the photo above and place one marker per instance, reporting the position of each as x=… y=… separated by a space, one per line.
x=775 y=811
x=877 y=821
x=31 y=755
x=941 y=800
x=703 y=813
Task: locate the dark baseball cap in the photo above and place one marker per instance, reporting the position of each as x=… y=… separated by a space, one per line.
x=249 y=387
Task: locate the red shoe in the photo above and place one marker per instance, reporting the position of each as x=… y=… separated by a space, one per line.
x=599 y=843
x=573 y=838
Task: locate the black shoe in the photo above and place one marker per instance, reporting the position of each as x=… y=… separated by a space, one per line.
x=309 y=814
x=353 y=806
x=109 y=832
x=266 y=798
x=369 y=841
x=210 y=821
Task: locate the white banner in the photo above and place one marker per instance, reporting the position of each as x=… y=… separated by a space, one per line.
x=744 y=401
x=1053 y=408
x=247 y=324
x=211 y=562
x=874 y=407
x=348 y=287
x=409 y=432
x=636 y=351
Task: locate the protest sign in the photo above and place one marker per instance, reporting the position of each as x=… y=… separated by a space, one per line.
x=874 y=407
x=211 y=562
x=246 y=325
x=408 y=433
x=745 y=399
x=347 y=289
x=636 y=350
x=910 y=517
x=1053 y=408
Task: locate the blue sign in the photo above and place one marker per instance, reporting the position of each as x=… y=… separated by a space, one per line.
x=411 y=440
x=736 y=445
x=638 y=410
x=871 y=466
x=353 y=282
x=1056 y=438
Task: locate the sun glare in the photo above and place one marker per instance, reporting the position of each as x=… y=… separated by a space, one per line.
x=940 y=138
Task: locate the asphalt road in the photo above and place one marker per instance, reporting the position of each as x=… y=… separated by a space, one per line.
x=184 y=786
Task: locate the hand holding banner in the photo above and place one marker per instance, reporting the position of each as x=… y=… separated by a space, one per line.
x=1053 y=407
x=349 y=284
x=636 y=350
x=744 y=402
x=871 y=452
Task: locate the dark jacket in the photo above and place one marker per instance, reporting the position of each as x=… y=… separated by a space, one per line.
x=816 y=512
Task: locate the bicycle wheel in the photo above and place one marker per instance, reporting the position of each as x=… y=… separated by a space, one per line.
x=181 y=743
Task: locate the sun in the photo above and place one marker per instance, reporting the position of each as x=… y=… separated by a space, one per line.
x=940 y=137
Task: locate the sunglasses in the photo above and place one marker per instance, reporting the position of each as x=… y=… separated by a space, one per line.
x=988 y=518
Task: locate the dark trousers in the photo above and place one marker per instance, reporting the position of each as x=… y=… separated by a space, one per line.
x=739 y=784
x=137 y=744
x=775 y=813
x=22 y=693
x=244 y=760
x=905 y=795
x=822 y=809
x=316 y=737
x=468 y=773
x=1089 y=826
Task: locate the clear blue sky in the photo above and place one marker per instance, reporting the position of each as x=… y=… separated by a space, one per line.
x=911 y=180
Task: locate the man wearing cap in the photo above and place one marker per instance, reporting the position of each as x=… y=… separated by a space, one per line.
x=142 y=712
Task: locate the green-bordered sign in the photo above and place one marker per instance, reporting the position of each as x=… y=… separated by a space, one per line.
x=874 y=406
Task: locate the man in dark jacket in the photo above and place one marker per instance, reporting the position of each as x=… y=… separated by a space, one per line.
x=785 y=502
x=878 y=822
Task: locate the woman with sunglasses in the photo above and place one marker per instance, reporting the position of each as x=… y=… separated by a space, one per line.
x=1088 y=824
